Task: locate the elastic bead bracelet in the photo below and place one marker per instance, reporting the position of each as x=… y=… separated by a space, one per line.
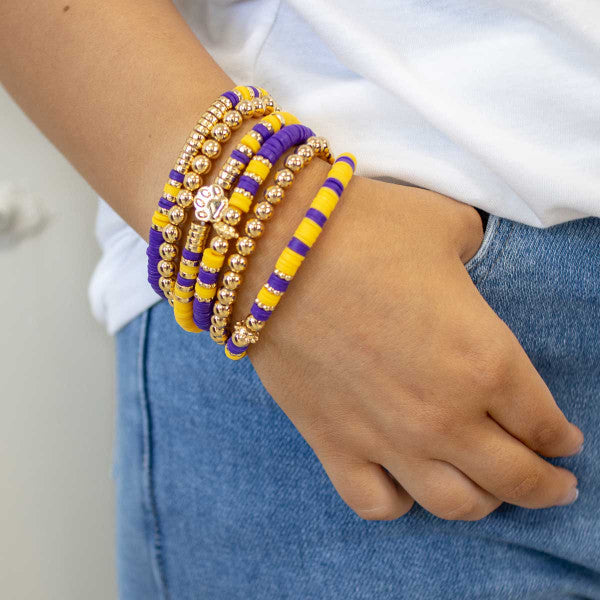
x=246 y=332
x=211 y=204
x=263 y=211
x=202 y=145
x=257 y=170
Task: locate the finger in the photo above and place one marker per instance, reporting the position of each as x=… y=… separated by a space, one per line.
x=443 y=490
x=507 y=469
x=527 y=410
x=367 y=489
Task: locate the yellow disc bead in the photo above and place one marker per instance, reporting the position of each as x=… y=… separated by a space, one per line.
x=325 y=201
x=212 y=259
x=252 y=143
x=258 y=168
x=206 y=293
x=267 y=297
x=239 y=201
x=171 y=190
x=308 y=231
x=234 y=356
x=245 y=93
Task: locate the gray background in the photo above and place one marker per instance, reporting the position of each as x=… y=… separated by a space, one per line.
x=57 y=373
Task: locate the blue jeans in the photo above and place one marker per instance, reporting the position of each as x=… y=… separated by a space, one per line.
x=220 y=498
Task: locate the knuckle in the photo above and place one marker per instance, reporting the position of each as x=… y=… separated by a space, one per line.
x=491 y=369
x=546 y=435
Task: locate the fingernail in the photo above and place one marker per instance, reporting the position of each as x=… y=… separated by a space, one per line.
x=570 y=498
x=580 y=449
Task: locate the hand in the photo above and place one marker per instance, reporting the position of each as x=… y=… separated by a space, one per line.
x=384 y=354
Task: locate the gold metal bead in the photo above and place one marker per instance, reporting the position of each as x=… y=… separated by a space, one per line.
x=192 y=181
x=185 y=198
x=258 y=106
x=254 y=228
x=222 y=310
x=221 y=132
x=245 y=246
x=225 y=296
x=226 y=101
x=166 y=284
x=171 y=233
x=306 y=152
x=217 y=334
x=216 y=111
x=245 y=150
x=203 y=130
x=232 y=216
x=176 y=215
x=245 y=108
x=166 y=268
x=269 y=104
x=282 y=275
x=294 y=162
x=219 y=322
x=318 y=144
x=284 y=178
x=237 y=263
x=167 y=251
x=264 y=211
x=274 y=194
x=211 y=148
x=253 y=324
x=254 y=176
x=227 y=232
x=232 y=280
x=242 y=336
x=201 y=164
x=233 y=119
x=219 y=245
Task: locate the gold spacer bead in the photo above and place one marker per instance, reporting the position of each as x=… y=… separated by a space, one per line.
x=221 y=132
x=254 y=228
x=211 y=148
x=284 y=178
x=192 y=181
x=237 y=263
x=166 y=268
x=219 y=245
x=167 y=251
x=232 y=280
x=264 y=211
x=245 y=246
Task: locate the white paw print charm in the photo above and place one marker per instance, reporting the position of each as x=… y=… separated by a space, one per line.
x=210 y=202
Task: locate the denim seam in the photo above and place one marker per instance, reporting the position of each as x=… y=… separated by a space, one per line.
x=147 y=464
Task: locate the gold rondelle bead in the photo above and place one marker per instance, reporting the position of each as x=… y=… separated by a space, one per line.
x=245 y=108
x=166 y=268
x=176 y=215
x=216 y=333
x=274 y=194
x=219 y=245
x=269 y=104
x=221 y=132
x=254 y=228
x=211 y=148
x=264 y=211
x=233 y=119
x=284 y=178
x=245 y=246
x=237 y=263
x=201 y=164
x=294 y=162
x=227 y=232
x=167 y=251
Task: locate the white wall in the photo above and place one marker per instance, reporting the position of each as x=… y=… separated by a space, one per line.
x=57 y=394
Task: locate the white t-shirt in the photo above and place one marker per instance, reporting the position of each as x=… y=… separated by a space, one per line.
x=495 y=103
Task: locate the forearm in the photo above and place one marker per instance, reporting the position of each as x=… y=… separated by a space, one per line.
x=115 y=86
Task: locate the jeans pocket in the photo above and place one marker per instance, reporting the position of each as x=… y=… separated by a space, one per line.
x=496 y=234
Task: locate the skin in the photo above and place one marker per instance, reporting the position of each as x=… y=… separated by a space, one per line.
x=383 y=354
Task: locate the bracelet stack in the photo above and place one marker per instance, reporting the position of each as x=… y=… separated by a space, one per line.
x=200 y=290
